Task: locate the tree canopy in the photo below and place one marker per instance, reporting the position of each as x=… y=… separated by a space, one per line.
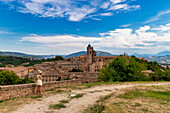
x=10 y=78
x=131 y=69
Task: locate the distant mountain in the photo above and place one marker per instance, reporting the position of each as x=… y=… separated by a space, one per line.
x=99 y=53
x=75 y=54
x=163 y=53
x=141 y=55
x=160 y=59
x=17 y=54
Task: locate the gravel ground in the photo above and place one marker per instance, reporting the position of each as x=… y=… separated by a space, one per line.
x=77 y=105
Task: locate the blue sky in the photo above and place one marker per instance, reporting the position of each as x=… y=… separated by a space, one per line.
x=67 y=26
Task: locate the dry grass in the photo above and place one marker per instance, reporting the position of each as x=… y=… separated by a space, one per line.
x=157 y=104
x=12 y=104
x=7 y=106
x=152 y=99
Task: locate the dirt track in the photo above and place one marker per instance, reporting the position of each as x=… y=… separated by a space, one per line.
x=77 y=105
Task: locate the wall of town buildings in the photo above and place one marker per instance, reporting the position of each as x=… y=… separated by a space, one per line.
x=13 y=91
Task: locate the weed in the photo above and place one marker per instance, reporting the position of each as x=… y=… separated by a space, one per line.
x=107 y=90
x=137 y=104
x=144 y=109
x=50 y=89
x=163 y=95
x=163 y=103
x=64 y=101
x=49 y=111
x=1 y=101
x=107 y=97
x=117 y=103
x=98 y=108
x=95 y=91
x=78 y=95
x=57 y=91
x=131 y=94
x=57 y=106
x=38 y=96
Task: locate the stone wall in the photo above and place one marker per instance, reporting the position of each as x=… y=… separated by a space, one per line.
x=85 y=77
x=13 y=91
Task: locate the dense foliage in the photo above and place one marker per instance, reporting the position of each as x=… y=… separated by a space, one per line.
x=10 y=78
x=131 y=69
x=15 y=61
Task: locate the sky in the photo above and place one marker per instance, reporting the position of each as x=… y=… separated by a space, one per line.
x=44 y=27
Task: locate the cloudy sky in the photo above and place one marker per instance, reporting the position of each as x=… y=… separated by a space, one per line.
x=67 y=26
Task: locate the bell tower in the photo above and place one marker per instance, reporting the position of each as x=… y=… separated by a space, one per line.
x=89 y=53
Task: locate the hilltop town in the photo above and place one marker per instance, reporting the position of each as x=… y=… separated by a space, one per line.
x=84 y=67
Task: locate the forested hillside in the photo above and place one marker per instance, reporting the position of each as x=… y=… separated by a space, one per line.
x=16 y=61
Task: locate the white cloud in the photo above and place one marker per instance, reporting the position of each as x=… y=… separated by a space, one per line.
x=125 y=25
x=117 y=1
x=106 y=14
x=163 y=28
x=6 y=1
x=143 y=39
x=105 y=5
x=2 y=31
x=125 y=7
x=59 y=39
x=158 y=16
x=74 y=10
x=96 y=18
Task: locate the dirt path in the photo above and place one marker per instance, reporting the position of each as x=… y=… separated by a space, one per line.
x=76 y=105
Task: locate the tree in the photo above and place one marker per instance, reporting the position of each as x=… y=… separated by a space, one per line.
x=58 y=58
x=10 y=78
x=123 y=69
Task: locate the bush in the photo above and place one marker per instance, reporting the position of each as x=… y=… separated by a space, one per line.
x=10 y=78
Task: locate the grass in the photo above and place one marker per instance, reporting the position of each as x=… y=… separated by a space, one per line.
x=107 y=90
x=98 y=108
x=137 y=99
x=95 y=91
x=49 y=111
x=163 y=95
x=131 y=94
x=57 y=91
x=78 y=95
x=64 y=101
x=108 y=83
x=57 y=106
x=137 y=104
x=117 y=103
x=144 y=110
x=38 y=96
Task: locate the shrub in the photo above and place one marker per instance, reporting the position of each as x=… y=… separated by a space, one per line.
x=10 y=78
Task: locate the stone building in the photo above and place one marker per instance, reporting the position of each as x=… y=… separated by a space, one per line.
x=89 y=63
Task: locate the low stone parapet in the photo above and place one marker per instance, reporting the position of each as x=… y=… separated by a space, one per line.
x=13 y=91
